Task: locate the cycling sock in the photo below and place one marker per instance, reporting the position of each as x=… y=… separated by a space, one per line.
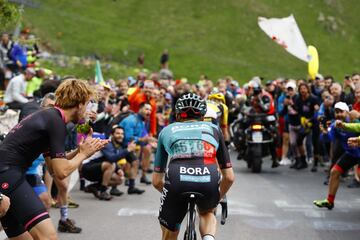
x=331 y=198
x=208 y=237
x=102 y=188
x=64 y=213
x=131 y=183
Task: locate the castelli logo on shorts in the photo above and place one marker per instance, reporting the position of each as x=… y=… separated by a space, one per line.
x=60 y=155
x=5 y=185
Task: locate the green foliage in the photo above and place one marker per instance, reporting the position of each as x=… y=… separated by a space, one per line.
x=211 y=37
x=83 y=128
x=9 y=14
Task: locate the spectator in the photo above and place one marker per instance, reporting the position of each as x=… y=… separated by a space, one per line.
x=348 y=158
x=288 y=94
x=326 y=115
x=6 y=64
x=356 y=105
x=328 y=81
x=122 y=91
x=306 y=105
x=116 y=150
x=318 y=86
x=339 y=96
x=102 y=168
x=144 y=95
x=135 y=130
x=35 y=83
x=18 y=54
x=164 y=59
x=15 y=92
x=141 y=60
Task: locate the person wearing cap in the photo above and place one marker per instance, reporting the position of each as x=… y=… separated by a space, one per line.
x=233 y=87
x=293 y=118
x=284 y=102
x=353 y=142
x=15 y=95
x=347 y=160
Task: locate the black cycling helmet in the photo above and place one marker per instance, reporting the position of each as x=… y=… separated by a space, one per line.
x=191 y=101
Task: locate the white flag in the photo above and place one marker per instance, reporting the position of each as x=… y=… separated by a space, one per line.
x=286 y=33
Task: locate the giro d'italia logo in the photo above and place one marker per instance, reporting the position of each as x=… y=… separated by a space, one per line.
x=5 y=186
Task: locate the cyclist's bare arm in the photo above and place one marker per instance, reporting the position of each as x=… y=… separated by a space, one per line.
x=228 y=178
x=72 y=154
x=63 y=167
x=158 y=181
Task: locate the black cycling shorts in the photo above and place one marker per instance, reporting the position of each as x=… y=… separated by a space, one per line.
x=345 y=162
x=92 y=171
x=26 y=210
x=180 y=178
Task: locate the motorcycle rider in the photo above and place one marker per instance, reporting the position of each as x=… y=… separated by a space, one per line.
x=260 y=101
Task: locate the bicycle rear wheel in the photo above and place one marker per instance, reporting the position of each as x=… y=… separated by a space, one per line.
x=190 y=233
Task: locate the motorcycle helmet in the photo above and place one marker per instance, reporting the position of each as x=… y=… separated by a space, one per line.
x=257 y=89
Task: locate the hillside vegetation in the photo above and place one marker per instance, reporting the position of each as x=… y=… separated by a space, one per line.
x=211 y=37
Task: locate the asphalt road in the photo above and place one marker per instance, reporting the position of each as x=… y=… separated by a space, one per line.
x=276 y=204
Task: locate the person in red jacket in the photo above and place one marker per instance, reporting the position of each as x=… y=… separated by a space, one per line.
x=142 y=95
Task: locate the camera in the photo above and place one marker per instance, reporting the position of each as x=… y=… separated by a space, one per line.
x=288 y=97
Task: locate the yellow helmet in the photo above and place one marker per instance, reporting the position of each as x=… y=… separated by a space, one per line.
x=218 y=97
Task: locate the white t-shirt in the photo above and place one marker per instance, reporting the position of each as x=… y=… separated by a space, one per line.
x=15 y=91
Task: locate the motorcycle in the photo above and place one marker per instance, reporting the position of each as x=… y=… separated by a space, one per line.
x=256 y=130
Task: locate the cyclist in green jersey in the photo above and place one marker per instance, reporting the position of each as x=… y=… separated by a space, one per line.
x=196 y=151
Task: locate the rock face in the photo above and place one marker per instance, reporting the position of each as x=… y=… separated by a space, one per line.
x=8 y=120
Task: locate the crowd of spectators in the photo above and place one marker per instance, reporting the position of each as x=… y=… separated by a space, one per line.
x=132 y=112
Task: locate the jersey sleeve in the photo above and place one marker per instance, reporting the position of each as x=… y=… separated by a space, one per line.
x=352 y=127
x=57 y=135
x=222 y=154
x=161 y=155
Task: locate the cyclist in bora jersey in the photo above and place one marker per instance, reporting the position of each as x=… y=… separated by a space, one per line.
x=196 y=150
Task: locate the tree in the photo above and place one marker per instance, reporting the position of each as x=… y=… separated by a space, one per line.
x=9 y=14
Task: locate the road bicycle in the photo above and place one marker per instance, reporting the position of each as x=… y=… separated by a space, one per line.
x=190 y=232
